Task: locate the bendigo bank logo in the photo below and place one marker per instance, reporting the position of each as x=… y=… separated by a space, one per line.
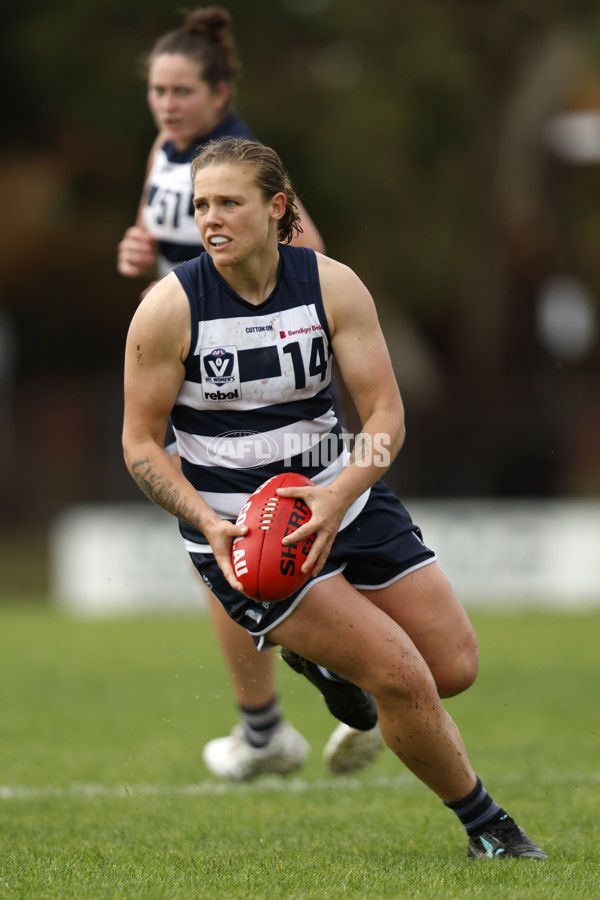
x=219 y=374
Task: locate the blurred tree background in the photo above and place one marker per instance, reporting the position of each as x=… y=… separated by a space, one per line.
x=449 y=151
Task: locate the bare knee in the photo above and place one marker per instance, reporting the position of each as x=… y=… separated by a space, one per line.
x=458 y=673
x=401 y=681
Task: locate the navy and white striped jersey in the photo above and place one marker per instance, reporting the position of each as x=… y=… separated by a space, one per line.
x=168 y=211
x=256 y=399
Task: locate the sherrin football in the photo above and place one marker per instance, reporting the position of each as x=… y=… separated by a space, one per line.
x=267 y=569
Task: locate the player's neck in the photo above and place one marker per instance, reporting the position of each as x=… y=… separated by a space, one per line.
x=253 y=279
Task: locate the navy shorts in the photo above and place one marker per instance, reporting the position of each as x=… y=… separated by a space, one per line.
x=380 y=546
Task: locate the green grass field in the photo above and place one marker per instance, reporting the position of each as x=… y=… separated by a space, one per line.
x=103 y=793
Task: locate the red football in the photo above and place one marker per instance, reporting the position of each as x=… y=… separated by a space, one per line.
x=269 y=570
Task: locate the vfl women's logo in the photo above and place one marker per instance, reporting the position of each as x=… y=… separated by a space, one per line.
x=220 y=374
x=218 y=366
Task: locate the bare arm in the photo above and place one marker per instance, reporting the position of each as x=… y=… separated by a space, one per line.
x=157 y=345
x=365 y=365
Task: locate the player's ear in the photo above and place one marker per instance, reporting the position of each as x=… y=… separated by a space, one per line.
x=278 y=205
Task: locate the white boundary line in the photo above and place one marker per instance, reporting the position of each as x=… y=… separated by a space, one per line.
x=267 y=783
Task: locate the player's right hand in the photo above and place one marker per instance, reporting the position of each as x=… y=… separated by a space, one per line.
x=220 y=534
x=136 y=253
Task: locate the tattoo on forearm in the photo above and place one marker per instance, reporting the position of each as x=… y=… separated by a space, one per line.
x=361 y=449
x=162 y=492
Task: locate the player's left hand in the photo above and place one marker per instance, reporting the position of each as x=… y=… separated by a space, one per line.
x=326 y=518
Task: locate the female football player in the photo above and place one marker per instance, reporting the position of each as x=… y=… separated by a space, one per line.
x=245 y=334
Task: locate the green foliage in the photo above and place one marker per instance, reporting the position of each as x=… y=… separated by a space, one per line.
x=103 y=793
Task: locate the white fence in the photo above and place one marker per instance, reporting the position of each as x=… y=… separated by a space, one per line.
x=130 y=558
x=121 y=559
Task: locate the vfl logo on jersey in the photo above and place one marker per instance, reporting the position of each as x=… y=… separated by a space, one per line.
x=218 y=366
x=220 y=374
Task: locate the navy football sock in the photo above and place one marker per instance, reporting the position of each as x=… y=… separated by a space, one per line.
x=478 y=809
x=259 y=723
